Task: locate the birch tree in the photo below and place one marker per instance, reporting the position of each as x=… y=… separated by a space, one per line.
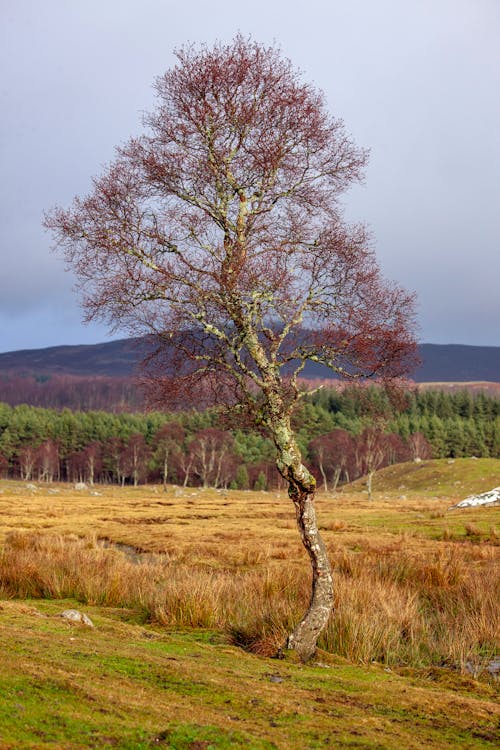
x=219 y=231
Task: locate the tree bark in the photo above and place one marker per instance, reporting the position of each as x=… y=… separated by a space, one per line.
x=336 y=478
x=304 y=637
x=369 y=483
x=301 y=489
x=323 y=474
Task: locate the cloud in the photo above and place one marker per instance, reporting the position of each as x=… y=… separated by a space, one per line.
x=416 y=82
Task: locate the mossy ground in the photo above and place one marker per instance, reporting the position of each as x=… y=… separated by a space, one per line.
x=131 y=686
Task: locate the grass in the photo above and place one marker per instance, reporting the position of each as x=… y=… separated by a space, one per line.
x=192 y=591
x=453 y=479
x=126 y=685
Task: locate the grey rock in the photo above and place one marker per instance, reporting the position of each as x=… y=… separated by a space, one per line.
x=74 y=615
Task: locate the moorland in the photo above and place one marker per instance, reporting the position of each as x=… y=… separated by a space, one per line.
x=192 y=590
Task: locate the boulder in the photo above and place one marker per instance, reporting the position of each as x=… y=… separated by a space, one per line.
x=74 y=615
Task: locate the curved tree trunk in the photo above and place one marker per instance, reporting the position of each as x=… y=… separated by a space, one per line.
x=301 y=489
x=304 y=637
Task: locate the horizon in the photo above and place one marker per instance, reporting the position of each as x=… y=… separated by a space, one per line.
x=131 y=338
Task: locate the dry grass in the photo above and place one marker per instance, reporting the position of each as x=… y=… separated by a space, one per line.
x=414 y=585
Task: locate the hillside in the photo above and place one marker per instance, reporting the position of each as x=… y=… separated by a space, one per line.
x=112 y=358
x=440 y=363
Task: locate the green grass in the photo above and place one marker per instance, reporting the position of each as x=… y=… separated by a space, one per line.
x=133 y=687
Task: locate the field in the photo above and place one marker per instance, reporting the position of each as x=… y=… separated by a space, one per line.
x=191 y=592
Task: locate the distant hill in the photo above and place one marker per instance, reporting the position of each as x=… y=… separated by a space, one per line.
x=440 y=362
x=112 y=358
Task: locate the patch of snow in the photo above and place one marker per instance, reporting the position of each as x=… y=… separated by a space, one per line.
x=485 y=498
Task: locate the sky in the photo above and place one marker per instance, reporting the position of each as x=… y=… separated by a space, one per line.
x=415 y=81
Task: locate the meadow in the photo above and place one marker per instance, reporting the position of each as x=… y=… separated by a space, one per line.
x=192 y=591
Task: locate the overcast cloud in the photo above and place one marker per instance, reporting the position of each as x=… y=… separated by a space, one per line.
x=416 y=82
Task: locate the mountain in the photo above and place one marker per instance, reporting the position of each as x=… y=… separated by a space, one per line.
x=440 y=362
x=112 y=358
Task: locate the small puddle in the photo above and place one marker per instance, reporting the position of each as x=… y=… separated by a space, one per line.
x=134 y=555
x=493 y=667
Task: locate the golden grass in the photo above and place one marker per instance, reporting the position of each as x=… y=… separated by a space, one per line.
x=415 y=584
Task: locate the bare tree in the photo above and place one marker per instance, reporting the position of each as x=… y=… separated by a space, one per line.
x=210 y=447
x=419 y=446
x=168 y=442
x=47 y=461
x=135 y=458
x=27 y=458
x=219 y=231
x=333 y=453
x=371 y=450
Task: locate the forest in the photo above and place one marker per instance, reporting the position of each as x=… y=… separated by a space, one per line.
x=344 y=435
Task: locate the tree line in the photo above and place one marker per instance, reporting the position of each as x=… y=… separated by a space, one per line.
x=343 y=434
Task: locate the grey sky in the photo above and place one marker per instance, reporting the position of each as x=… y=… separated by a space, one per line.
x=417 y=81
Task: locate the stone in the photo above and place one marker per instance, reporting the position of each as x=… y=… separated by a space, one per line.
x=74 y=615
x=80 y=486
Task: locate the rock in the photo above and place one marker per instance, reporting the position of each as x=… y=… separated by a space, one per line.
x=74 y=615
x=31 y=487
x=96 y=494
x=80 y=486
x=485 y=498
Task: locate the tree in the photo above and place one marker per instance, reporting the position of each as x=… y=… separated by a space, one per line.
x=219 y=231
x=4 y=467
x=168 y=442
x=47 y=461
x=419 y=446
x=27 y=457
x=210 y=449
x=333 y=454
x=371 y=448
x=135 y=458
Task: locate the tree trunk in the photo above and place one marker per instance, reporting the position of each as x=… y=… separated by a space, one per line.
x=325 y=483
x=336 y=478
x=165 y=472
x=369 y=484
x=301 y=489
x=304 y=637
